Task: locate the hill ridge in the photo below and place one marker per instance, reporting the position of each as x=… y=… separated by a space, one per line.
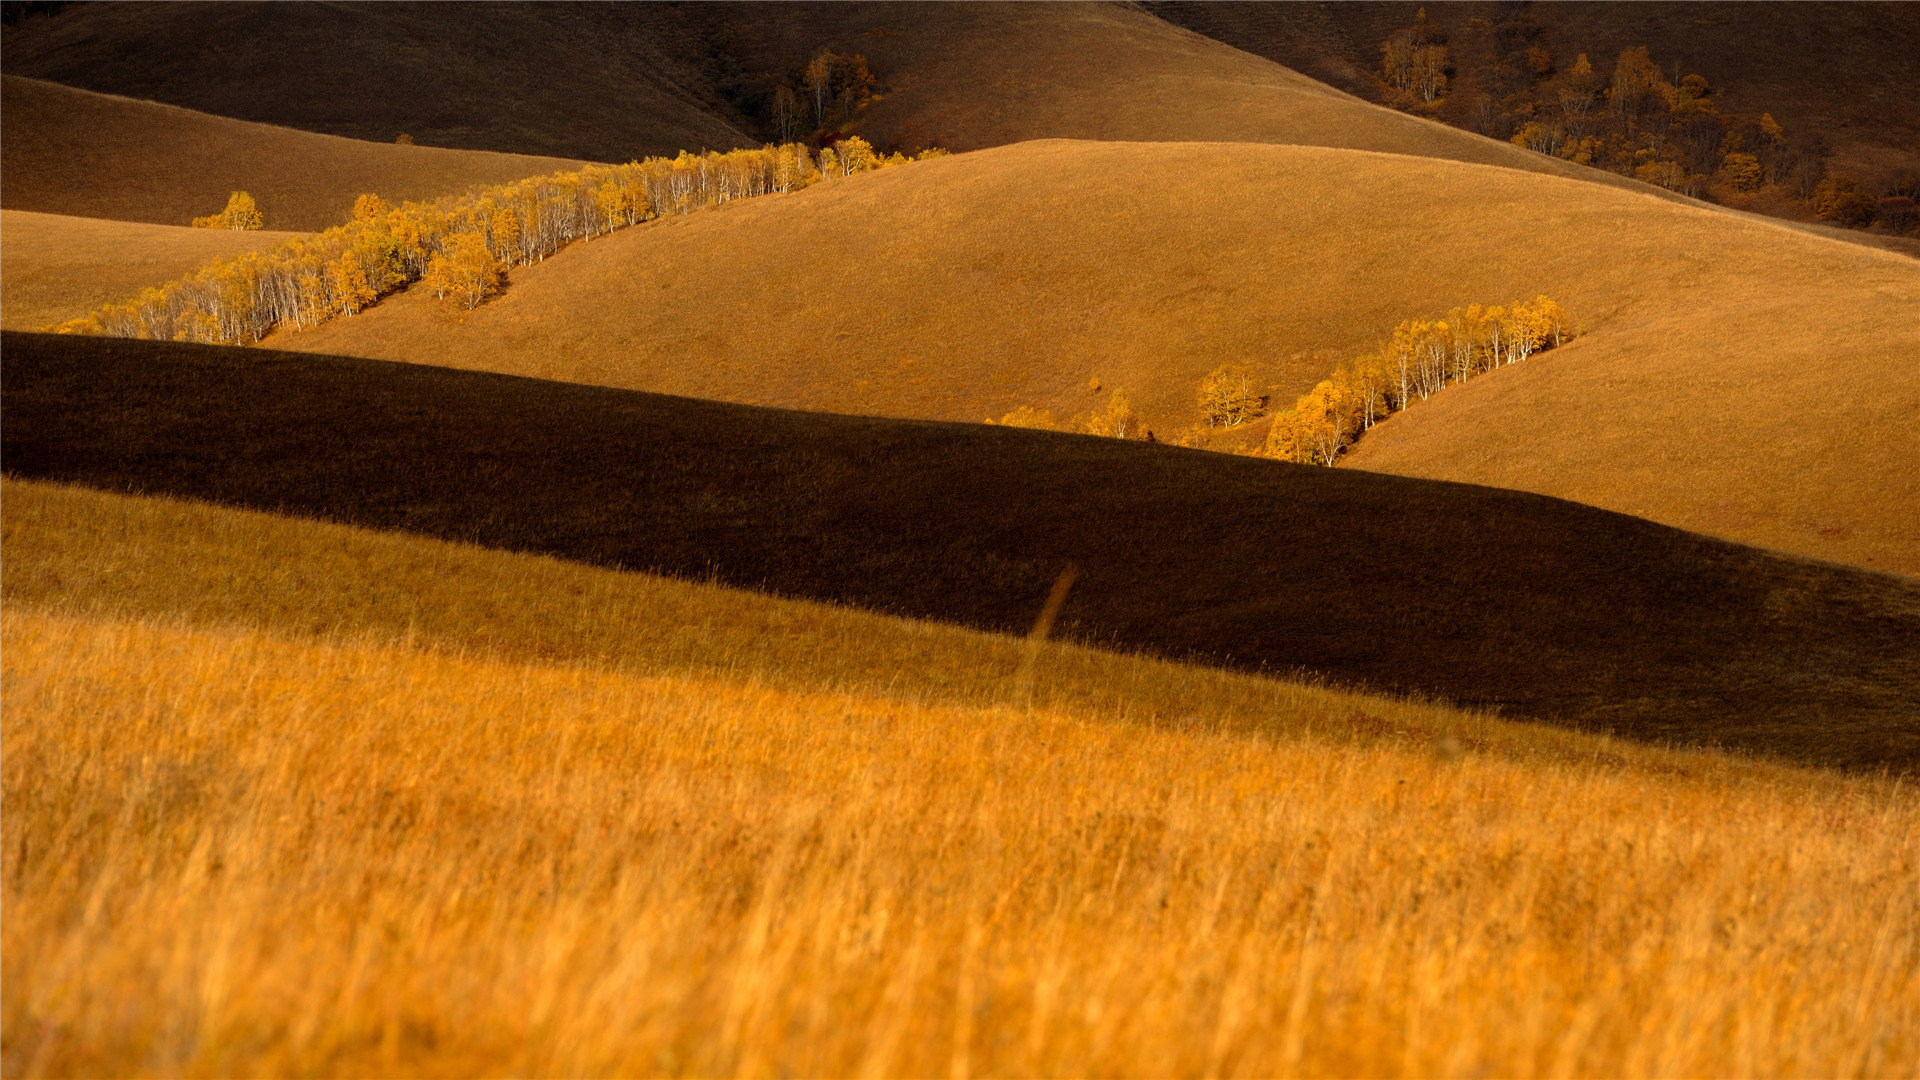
x=1550 y=609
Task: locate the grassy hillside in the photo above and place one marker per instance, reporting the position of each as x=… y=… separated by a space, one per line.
x=1546 y=609
x=616 y=81
x=531 y=813
x=603 y=82
x=73 y=152
x=1848 y=71
x=54 y=268
x=449 y=865
x=964 y=287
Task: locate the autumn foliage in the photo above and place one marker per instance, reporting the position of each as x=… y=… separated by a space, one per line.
x=460 y=247
x=1421 y=358
x=241 y=215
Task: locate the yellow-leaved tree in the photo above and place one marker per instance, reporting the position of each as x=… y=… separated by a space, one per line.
x=1228 y=397
x=465 y=273
x=369 y=208
x=1117 y=421
x=1026 y=416
x=241 y=215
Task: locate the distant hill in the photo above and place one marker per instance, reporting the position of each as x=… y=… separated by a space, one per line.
x=611 y=82
x=1545 y=608
x=964 y=287
x=604 y=82
x=54 y=268
x=83 y=154
x=1848 y=72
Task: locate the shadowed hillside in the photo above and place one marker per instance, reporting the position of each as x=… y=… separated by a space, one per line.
x=73 y=152
x=54 y=268
x=964 y=287
x=604 y=82
x=961 y=76
x=1546 y=608
x=1847 y=71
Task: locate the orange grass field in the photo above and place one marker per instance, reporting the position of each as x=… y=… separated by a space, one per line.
x=234 y=845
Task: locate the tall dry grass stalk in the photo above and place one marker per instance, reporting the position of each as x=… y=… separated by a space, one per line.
x=233 y=852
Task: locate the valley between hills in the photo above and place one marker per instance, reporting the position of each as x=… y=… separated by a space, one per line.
x=750 y=539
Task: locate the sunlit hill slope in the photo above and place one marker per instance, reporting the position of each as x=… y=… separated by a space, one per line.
x=962 y=288
x=74 y=152
x=54 y=268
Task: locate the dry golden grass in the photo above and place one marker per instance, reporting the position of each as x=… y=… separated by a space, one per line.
x=322 y=801
x=54 y=268
x=75 y=152
x=1737 y=378
x=230 y=852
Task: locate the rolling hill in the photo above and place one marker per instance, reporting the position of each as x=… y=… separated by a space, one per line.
x=604 y=82
x=83 y=154
x=54 y=268
x=1544 y=608
x=964 y=287
x=610 y=82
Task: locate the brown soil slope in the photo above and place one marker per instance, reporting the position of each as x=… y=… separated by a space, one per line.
x=54 y=268
x=1548 y=608
x=1848 y=71
x=1760 y=384
x=68 y=151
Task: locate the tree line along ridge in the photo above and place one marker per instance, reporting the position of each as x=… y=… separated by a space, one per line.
x=457 y=246
x=1419 y=359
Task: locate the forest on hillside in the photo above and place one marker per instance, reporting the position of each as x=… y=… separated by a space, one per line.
x=1631 y=114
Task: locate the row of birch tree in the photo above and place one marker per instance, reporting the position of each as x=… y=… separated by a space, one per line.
x=459 y=246
x=1421 y=358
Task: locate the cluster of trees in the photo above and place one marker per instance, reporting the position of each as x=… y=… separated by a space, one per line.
x=1116 y=421
x=1637 y=118
x=458 y=246
x=1414 y=63
x=1420 y=359
x=241 y=215
x=807 y=102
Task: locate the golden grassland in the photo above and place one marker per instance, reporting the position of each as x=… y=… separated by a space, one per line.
x=468 y=812
x=84 y=154
x=54 y=268
x=1734 y=377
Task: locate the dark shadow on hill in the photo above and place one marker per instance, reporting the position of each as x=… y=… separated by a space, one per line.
x=1543 y=608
